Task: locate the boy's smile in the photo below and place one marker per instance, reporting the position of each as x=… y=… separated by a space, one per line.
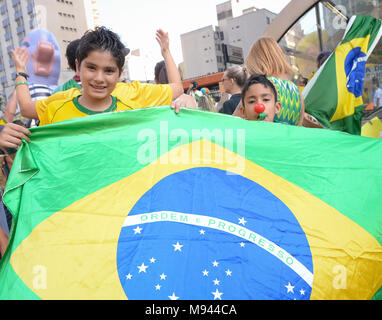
x=99 y=75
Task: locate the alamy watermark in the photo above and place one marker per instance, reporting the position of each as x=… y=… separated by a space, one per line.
x=40 y=279
x=339 y=22
x=231 y=152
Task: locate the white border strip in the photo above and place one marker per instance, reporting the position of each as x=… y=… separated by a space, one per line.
x=225 y=226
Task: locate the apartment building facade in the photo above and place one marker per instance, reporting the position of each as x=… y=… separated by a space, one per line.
x=202 y=52
x=237 y=27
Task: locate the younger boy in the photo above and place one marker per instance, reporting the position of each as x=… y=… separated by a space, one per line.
x=259 y=90
x=99 y=64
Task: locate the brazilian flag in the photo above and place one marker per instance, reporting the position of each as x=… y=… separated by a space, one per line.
x=334 y=95
x=147 y=204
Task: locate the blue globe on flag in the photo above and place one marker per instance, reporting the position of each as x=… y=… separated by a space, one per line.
x=355 y=68
x=203 y=234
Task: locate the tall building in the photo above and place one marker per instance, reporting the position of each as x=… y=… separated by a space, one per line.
x=67 y=20
x=17 y=19
x=237 y=28
x=202 y=52
x=227 y=10
x=243 y=30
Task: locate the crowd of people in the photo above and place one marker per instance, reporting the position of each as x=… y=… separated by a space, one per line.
x=261 y=90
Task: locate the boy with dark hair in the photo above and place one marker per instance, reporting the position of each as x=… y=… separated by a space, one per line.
x=160 y=73
x=71 y=54
x=99 y=64
x=259 y=99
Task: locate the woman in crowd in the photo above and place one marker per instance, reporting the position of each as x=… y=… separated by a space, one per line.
x=267 y=58
x=233 y=81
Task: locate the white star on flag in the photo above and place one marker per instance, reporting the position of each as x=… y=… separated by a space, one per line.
x=173 y=297
x=228 y=273
x=290 y=288
x=216 y=282
x=205 y=273
x=157 y=287
x=217 y=294
x=242 y=221
x=142 y=268
x=242 y=244
x=129 y=276
x=152 y=260
x=138 y=230
x=202 y=232
x=215 y=263
x=177 y=247
x=302 y=292
x=163 y=276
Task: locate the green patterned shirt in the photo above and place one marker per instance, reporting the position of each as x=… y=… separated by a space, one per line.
x=290 y=99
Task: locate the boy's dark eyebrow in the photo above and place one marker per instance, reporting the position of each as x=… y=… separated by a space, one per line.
x=263 y=95
x=88 y=63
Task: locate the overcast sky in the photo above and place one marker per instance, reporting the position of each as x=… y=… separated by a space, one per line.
x=137 y=20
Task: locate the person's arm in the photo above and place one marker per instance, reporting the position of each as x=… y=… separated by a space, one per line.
x=27 y=106
x=10 y=110
x=173 y=75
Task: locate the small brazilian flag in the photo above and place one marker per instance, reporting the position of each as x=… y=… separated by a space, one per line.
x=334 y=95
x=147 y=204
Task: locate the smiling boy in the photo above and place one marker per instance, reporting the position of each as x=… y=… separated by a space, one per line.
x=100 y=61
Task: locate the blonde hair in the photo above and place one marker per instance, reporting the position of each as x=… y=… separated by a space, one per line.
x=206 y=104
x=267 y=58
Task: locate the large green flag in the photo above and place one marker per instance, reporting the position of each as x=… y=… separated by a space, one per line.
x=334 y=94
x=147 y=204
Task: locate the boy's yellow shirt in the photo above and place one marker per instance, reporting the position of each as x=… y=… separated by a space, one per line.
x=64 y=105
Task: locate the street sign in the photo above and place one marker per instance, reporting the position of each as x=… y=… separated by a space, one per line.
x=233 y=54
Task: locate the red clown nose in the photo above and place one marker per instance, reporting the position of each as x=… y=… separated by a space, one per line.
x=259 y=108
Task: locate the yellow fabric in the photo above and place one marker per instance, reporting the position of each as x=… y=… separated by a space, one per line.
x=372 y=129
x=60 y=106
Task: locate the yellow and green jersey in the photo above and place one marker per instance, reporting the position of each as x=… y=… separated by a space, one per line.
x=126 y=96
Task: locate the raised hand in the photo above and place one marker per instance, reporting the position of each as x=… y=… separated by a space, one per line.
x=20 y=57
x=163 y=40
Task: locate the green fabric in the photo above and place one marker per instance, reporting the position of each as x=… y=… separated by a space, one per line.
x=67 y=161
